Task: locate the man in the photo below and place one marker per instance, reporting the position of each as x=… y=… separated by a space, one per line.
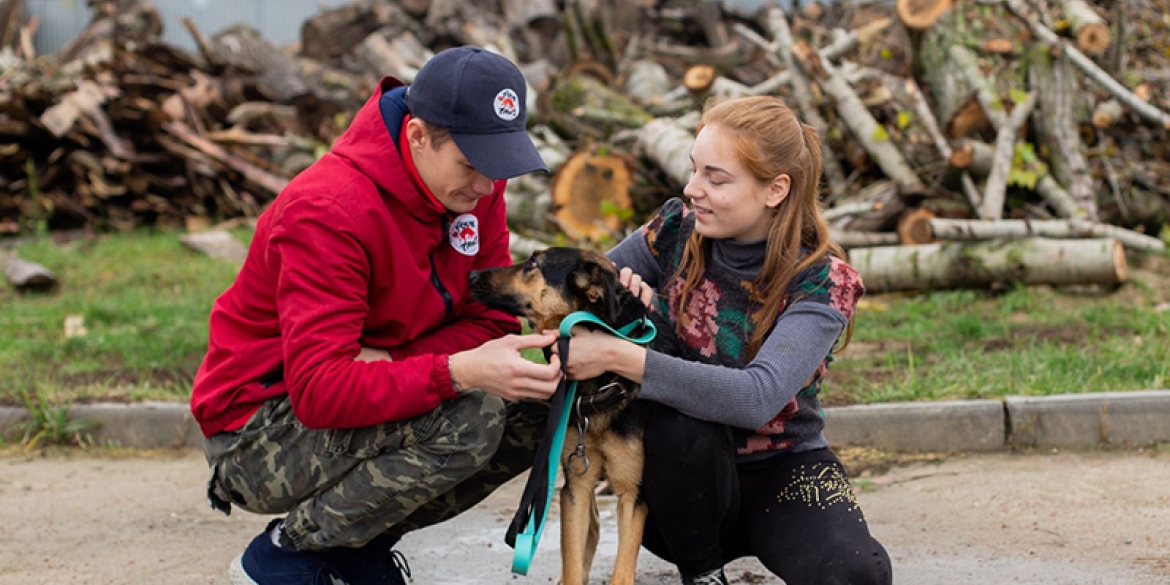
x=350 y=383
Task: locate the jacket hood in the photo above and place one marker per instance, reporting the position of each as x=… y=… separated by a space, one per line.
x=371 y=144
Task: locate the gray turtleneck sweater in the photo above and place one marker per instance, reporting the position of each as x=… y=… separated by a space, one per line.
x=758 y=398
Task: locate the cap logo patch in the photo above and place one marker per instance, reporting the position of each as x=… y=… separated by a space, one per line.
x=506 y=104
x=464 y=234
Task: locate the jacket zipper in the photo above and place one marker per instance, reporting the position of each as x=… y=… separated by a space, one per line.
x=448 y=302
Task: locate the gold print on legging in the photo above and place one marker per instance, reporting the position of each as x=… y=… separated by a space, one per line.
x=821 y=485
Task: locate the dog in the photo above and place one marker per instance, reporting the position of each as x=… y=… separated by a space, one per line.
x=545 y=289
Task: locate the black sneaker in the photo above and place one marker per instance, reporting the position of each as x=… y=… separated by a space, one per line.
x=264 y=563
x=715 y=577
x=372 y=564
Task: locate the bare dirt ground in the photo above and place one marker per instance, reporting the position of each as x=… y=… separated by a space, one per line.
x=1067 y=518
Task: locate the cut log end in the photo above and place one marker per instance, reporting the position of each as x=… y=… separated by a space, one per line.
x=809 y=58
x=998 y=46
x=589 y=191
x=914 y=227
x=962 y=155
x=921 y=14
x=1144 y=92
x=699 y=78
x=1120 y=265
x=969 y=120
x=973 y=156
x=1093 y=39
x=1107 y=113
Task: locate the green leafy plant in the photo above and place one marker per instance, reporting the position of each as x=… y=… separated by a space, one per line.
x=42 y=205
x=905 y=118
x=49 y=424
x=1027 y=168
x=609 y=208
x=1018 y=96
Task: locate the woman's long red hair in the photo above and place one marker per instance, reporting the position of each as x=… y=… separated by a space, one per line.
x=770 y=141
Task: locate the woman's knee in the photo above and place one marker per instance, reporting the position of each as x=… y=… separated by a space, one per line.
x=689 y=477
x=858 y=569
x=843 y=565
x=681 y=442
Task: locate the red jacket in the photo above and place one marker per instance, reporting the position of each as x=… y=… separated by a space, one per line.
x=351 y=254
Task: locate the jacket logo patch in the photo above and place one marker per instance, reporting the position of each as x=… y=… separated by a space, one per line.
x=464 y=234
x=507 y=104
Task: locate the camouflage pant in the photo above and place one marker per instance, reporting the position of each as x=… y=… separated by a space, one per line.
x=343 y=487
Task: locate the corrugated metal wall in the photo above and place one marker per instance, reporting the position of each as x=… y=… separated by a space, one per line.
x=277 y=20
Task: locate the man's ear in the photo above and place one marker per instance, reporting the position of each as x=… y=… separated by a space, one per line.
x=778 y=190
x=416 y=133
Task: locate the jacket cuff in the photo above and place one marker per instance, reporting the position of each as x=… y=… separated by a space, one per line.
x=441 y=377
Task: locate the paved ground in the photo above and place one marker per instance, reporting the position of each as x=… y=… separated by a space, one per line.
x=1068 y=518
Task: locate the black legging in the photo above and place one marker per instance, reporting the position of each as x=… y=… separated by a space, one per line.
x=796 y=513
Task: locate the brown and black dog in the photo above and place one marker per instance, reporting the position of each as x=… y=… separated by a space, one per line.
x=545 y=289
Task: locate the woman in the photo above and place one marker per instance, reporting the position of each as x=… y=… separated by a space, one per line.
x=757 y=297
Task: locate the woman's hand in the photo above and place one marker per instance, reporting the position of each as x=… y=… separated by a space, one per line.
x=592 y=353
x=632 y=281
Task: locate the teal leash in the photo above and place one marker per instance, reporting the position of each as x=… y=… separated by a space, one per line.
x=528 y=524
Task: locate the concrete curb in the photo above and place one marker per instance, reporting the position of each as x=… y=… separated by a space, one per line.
x=956 y=425
x=141 y=425
x=1069 y=420
x=1085 y=419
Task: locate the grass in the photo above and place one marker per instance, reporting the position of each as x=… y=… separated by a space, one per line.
x=145 y=301
x=1025 y=341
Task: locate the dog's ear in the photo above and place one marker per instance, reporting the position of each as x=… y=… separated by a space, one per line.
x=599 y=287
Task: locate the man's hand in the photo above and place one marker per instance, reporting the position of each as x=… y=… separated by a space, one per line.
x=497 y=368
x=632 y=281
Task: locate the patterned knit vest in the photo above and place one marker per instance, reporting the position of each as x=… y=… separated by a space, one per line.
x=716 y=324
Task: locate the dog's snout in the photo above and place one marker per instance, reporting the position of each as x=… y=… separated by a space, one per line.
x=474 y=276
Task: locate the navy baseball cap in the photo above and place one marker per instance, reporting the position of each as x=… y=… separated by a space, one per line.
x=478 y=97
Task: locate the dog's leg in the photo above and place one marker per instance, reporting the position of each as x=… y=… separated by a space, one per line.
x=594 y=533
x=578 y=508
x=625 y=475
x=631 y=524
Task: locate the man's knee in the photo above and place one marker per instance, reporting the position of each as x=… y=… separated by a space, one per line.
x=475 y=421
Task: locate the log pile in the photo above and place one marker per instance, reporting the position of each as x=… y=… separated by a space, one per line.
x=119 y=129
x=975 y=132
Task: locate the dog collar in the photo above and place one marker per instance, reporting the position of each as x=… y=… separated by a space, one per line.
x=640 y=331
x=611 y=396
